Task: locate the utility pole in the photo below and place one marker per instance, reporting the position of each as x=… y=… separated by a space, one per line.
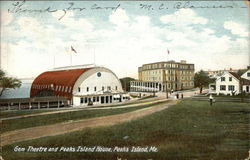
x=154 y=86
x=166 y=85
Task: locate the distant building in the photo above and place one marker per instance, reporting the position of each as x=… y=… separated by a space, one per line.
x=81 y=86
x=217 y=73
x=161 y=75
x=231 y=83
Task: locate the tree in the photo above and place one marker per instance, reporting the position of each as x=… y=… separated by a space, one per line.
x=201 y=79
x=126 y=83
x=8 y=82
x=241 y=71
x=2 y=74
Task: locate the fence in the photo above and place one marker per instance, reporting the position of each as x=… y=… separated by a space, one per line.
x=33 y=103
x=221 y=99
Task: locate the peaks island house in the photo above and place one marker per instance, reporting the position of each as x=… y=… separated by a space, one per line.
x=159 y=76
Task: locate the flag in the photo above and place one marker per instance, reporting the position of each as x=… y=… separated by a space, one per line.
x=73 y=50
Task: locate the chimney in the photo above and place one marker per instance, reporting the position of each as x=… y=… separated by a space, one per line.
x=183 y=61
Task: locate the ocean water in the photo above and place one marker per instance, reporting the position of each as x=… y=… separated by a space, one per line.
x=22 y=92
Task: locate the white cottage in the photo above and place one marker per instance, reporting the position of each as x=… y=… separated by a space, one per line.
x=231 y=83
x=246 y=75
x=245 y=78
x=228 y=83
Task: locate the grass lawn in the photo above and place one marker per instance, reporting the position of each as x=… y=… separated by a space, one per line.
x=26 y=122
x=188 y=130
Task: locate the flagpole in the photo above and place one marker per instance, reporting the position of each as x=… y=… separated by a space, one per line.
x=70 y=59
x=54 y=61
x=94 y=56
x=168 y=56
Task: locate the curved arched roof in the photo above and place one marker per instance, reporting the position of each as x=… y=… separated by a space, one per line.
x=61 y=82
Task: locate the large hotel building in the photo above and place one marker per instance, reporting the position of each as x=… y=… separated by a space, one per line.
x=157 y=76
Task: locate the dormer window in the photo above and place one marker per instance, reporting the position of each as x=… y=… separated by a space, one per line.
x=222 y=79
x=230 y=78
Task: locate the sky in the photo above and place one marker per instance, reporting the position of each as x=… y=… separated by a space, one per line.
x=37 y=36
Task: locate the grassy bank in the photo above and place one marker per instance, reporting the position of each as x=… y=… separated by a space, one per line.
x=189 y=130
x=26 y=122
x=5 y=114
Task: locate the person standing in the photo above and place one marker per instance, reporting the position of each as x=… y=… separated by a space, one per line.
x=211 y=99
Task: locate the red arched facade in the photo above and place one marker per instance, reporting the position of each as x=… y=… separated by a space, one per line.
x=59 y=82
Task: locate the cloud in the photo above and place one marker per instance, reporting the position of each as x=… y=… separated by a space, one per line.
x=6 y=18
x=236 y=28
x=119 y=17
x=124 y=43
x=183 y=17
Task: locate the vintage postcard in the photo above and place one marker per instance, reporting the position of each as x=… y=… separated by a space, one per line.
x=124 y=80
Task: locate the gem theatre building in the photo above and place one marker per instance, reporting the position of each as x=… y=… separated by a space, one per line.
x=81 y=86
x=156 y=77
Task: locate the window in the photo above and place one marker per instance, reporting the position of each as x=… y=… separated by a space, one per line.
x=93 y=99
x=169 y=85
x=99 y=74
x=115 y=87
x=222 y=87
x=97 y=99
x=109 y=88
x=87 y=89
x=230 y=78
x=94 y=88
x=248 y=74
x=81 y=100
x=102 y=88
x=79 y=89
x=231 y=88
x=222 y=79
x=86 y=99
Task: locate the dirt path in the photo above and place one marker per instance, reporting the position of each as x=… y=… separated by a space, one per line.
x=61 y=128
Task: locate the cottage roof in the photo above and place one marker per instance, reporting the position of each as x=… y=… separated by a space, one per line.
x=235 y=75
